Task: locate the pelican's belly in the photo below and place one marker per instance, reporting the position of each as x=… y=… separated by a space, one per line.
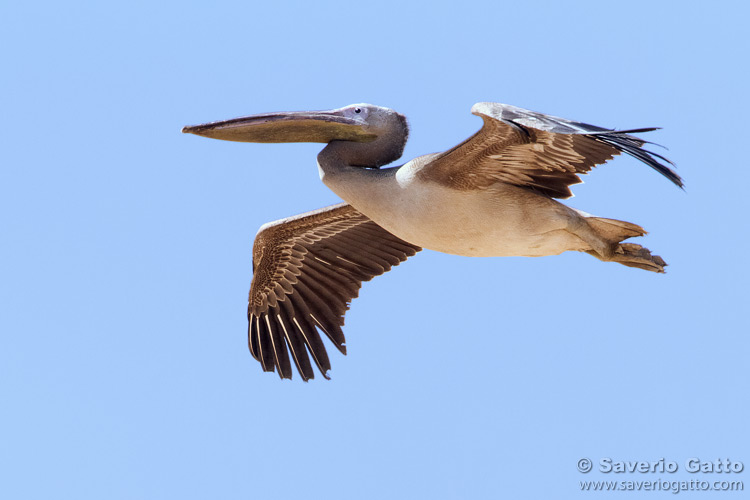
x=502 y=220
x=505 y=221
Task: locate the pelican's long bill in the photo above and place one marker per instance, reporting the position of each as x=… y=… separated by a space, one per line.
x=294 y=126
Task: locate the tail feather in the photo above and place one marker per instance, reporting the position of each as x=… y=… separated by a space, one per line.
x=614 y=231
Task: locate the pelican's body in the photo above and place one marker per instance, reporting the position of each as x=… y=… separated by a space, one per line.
x=491 y=196
x=500 y=221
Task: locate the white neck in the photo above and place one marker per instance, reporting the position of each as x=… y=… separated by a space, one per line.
x=369 y=190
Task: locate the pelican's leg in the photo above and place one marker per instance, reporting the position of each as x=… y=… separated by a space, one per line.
x=601 y=247
x=604 y=236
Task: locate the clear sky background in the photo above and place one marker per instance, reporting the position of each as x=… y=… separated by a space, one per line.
x=125 y=257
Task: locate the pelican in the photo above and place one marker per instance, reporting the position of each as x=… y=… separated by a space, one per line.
x=493 y=195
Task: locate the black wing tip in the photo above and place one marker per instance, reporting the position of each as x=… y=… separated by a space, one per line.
x=630 y=131
x=306 y=377
x=632 y=145
x=272 y=365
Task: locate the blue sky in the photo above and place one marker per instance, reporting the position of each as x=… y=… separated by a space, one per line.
x=125 y=258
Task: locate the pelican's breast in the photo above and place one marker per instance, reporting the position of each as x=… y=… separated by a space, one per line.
x=501 y=220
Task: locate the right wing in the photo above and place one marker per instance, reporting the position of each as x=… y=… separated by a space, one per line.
x=536 y=151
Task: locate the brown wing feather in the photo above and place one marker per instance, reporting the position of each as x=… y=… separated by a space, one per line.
x=307 y=269
x=536 y=151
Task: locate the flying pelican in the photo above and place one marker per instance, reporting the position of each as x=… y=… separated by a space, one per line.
x=492 y=195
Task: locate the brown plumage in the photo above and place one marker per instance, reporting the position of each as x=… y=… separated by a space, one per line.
x=540 y=152
x=307 y=269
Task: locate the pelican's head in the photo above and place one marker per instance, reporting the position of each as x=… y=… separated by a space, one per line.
x=386 y=129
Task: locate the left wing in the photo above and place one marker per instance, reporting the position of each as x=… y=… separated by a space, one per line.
x=307 y=269
x=540 y=152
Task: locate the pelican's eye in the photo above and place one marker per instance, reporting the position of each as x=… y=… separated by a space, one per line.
x=357 y=110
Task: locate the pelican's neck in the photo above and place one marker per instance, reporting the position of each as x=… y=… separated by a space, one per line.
x=351 y=169
x=365 y=189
